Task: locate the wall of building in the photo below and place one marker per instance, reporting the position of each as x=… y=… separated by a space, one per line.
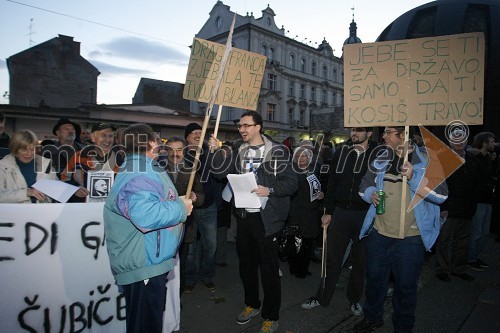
x=52 y=74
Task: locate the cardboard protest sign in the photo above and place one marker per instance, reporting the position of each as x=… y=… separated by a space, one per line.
x=427 y=81
x=241 y=81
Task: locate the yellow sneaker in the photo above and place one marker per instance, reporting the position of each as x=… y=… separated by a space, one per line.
x=269 y=326
x=247 y=314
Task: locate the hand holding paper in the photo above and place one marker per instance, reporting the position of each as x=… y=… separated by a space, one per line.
x=242 y=186
x=55 y=189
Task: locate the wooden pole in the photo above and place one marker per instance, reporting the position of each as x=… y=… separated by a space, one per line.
x=404 y=187
x=210 y=107
x=216 y=129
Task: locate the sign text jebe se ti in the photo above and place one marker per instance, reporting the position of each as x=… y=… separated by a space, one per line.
x=427 y=81
x=241 y=81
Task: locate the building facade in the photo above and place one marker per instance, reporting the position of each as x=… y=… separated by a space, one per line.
x=158 y=92
x=52 y=74
x=302 y=87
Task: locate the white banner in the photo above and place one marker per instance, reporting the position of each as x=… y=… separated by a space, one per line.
x=54 y=270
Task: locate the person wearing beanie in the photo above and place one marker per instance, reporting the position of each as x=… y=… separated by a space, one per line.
x=190 y=128
x=201 y=268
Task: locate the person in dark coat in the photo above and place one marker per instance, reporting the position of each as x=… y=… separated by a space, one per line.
x=304 y=213
x=344 y=214
x=457 y=210
x=483 y=144
x=179 y=173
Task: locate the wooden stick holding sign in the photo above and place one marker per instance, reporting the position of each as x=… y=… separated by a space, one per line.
x=216 y=129
x=210 y=106
x=404 y=187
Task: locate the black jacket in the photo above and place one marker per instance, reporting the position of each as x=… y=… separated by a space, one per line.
x=346 y=171
x=204 y=172
x=275 y=171
x=303 y=212
x=464 y=189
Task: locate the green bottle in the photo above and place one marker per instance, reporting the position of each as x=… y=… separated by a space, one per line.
x=381 y=204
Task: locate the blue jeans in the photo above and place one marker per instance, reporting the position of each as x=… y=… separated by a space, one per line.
x=402 y=257
x=200 y=264
x=480 y=228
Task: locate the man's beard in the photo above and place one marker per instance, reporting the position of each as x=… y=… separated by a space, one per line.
x=358 y=141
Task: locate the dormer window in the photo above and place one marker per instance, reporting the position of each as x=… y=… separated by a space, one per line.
x=269 y=21
x=218 y=22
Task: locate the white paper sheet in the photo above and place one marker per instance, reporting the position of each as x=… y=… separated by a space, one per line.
x=56 y=189
x=242 y=185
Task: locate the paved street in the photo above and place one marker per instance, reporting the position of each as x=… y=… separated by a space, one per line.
x=456 y=306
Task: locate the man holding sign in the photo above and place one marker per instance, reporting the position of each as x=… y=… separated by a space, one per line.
x=396 y=244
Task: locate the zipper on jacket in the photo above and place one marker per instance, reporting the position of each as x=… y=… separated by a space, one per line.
x=157 y=243
x=352 y=183
x=350 y=195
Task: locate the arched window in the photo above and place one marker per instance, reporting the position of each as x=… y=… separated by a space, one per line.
x=325 y=72
x=270 y=54
x=291 y=61
x=303 y=65
x=263 y=49
x=313 y=67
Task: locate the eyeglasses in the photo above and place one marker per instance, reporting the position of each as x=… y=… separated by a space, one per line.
x=389 y=132
x=26 y=150
x=245 y=126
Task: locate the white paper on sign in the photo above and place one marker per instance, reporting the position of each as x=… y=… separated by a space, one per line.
x=56 y=189
x=242 y=185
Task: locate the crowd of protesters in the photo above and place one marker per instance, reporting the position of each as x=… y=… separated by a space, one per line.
x=308 y=191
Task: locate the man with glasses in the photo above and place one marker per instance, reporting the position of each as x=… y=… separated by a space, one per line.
x=258 y=229
x=343 y=218
x=397 y=243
